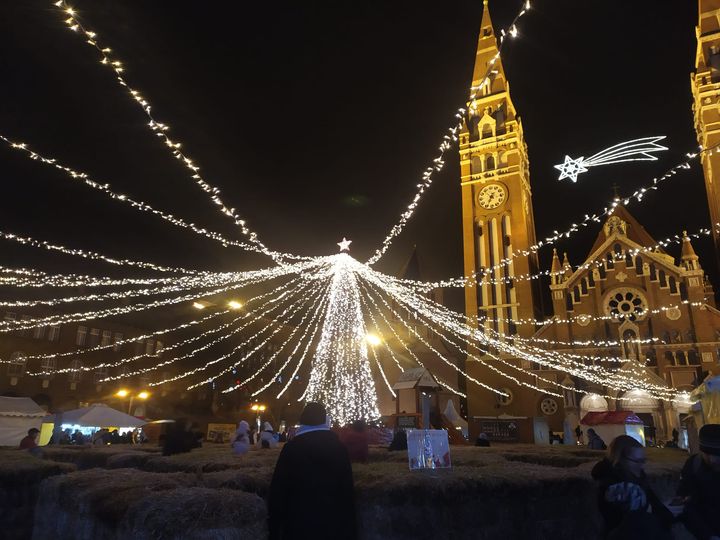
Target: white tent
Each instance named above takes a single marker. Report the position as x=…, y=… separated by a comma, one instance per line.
x=99, y=415
x=456, y=420
x=17, y=416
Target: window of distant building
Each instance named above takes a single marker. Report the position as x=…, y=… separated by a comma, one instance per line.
x=48, y=367
x=106, y=338
x=39, y=332
x=149, y=346
x=94, y=339
x=16, y=367
x=81, y=336
x=10, y=316
x=76, y=373
x=99, y=374
x=158, y=348
x=118, y=338
x=54, y=333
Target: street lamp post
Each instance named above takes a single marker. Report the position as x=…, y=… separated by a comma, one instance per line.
x=258, y=408
x=123, y=393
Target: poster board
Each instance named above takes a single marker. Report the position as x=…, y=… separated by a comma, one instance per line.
x=220, y=433
x=501, y=430
x=428, y=449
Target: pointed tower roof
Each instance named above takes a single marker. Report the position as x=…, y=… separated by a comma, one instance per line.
x=487, y=49
x=555, y=268
x=688, y=253
x=411, y=268
x=567, y=267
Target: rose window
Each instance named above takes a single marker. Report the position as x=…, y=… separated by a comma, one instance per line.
x=626, y=304
x=549, y=406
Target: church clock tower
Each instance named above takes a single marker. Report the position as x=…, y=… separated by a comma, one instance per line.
x=705, y=88
x=498, y=226
x=496, y=199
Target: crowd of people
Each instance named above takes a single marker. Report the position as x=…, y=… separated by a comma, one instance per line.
x=317, y=461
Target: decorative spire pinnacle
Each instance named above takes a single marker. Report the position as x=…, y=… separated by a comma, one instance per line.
x=688, y=254
x=555, y=268
x=567, y=267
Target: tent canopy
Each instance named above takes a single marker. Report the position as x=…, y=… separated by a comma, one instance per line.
x=610, y=417
x=20, y=406
x=415, y=378
x=17, y=416
x=99, y=415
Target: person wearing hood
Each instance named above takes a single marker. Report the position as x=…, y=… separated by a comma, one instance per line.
x=267, y=437
x=700, y=486
x=241, y=440
x=311, y=492
x=594, y=441
x=630, y=509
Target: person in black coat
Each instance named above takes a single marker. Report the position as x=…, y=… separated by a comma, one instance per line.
x=700, y=486
x=630, y=509
x=311, y=492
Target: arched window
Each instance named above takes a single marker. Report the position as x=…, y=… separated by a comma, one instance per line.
x=673, y=285
x=638, y=264
x=610, y=263
x=693, y=358
x=490, y=163
x=476, y=165
x=48, y=367
x=18, y=361
x=486, y=131
x=680, y=359
x=584, y=285
x=670, y=358
x=100, y=374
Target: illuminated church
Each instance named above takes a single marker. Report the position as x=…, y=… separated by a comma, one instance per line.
x=628, y=301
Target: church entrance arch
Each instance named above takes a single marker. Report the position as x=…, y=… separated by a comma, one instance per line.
x=646, y=407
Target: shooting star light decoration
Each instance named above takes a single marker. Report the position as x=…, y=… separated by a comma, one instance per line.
x=635, y=150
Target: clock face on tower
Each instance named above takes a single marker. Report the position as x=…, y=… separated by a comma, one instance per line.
x=492, y=196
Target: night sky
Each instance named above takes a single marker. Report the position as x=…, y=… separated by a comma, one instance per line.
x=316, y=119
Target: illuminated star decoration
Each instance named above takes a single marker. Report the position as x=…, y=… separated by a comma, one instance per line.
x=571, y=168
x=634, y=150
x=344, y=245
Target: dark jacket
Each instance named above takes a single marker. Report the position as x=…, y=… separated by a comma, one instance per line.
x=628, y=506
x=311, y=493
x=701, y=485
x=595, y=442
x=356, y=443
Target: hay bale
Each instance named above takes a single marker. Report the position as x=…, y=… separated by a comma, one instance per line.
x=88, y=457
x=93, y=503
x=124, y=460
x=197, y=513
x=20, y=478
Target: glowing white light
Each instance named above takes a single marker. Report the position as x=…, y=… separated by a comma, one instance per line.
x=636, y=150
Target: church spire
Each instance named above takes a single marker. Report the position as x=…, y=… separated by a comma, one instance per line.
x=689, y=258
x=487, y=56
x=555, y=269
x=567, y=268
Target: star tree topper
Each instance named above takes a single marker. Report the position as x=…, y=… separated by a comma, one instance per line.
x=344, y=245
x=635, y=150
